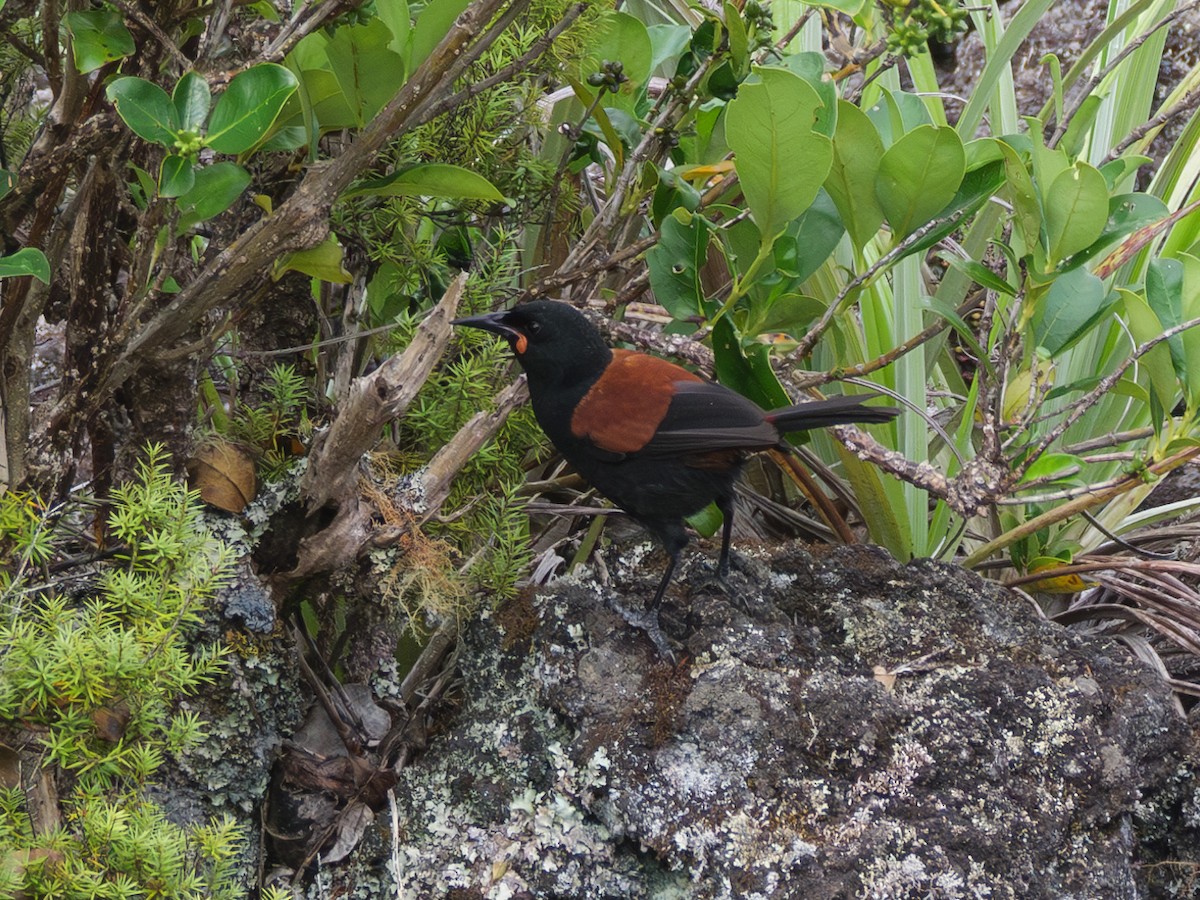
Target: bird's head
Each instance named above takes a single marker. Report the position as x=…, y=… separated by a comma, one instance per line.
x=553, y=342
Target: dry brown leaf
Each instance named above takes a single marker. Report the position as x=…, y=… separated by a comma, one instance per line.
x=224, y=475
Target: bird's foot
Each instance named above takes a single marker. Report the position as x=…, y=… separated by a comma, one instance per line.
x=646, y=621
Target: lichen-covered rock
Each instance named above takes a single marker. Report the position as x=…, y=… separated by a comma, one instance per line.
x=840, y=726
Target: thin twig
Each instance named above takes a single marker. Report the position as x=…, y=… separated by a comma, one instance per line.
x=806, y=344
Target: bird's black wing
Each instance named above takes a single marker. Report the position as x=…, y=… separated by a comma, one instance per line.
x=704, y=417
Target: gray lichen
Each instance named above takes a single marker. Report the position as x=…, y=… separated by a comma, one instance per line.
x=841, y=726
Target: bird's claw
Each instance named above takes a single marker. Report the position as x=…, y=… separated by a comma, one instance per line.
x=646, y=621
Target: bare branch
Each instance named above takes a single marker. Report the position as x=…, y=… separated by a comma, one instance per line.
x=375, y=399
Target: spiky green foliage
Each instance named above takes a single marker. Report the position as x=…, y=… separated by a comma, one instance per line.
x=96, y=681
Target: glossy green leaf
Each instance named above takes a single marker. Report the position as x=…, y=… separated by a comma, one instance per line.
x=215, y=190
x=857, y=152
x=98, y=36
x=433, y=24
x=429, y=180
x=245, y=112
x=176, y=176
x=1126, y=214
x=675, y=263
x=26, y=261
x=747, y=371
x=145, y=108
x=1064, y=312
x=815, y=235
x=191, y=99
x=324, y=262
x=781, y=162
x=617, y=37
x=918, y=176
x=1076, y=209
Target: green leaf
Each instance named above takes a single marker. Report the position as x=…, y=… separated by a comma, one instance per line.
x=1064, y=313
x=1164, y=293
x=176, y=176
x=1023, y=196
x=790, y=314
x=857, y=151
x=245, y=112
x=810, y=66
x=145, y=108
x=368, y=73
x=1076, y=210
x=748, y=373
x=739, y=49
x=617, y=36
x=1191, y=337
x=429, y=180
x=979, y=273
x=216, y=188
x=323, y=261
x=1080, y=128
x=815, y=235
x=433, y=24
x=675, y=263
x=1053, y=467
x=781, y=161
x=1117, y=170
x=1126, y=214
x=98, y=36
x=26, y=261
x=708, y=521
x=918, y=176
x=896, y=113
x=8, y=181
x=668, y=43
x=670, y=193
x=1156, y=365
x=395, y=15
x=191, y=99
x=978, y=185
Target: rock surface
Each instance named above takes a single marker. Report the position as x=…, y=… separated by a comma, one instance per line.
x=839, y=726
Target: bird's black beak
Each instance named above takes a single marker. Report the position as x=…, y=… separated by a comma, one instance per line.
x=493, y=322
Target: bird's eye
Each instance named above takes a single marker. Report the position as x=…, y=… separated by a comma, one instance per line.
x=534, y=327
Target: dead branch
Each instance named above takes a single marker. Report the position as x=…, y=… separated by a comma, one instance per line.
x=435, y=479
x=374, y=400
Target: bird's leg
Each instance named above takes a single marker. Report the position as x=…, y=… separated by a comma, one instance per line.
x=725, y=505
x=662, y=585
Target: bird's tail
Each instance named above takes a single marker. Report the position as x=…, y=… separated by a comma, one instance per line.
x=834, y=411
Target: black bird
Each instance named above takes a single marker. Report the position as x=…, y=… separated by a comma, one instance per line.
x=659, y=441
